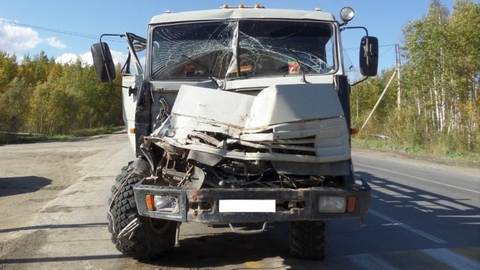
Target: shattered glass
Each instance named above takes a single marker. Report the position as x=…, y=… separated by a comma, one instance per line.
x=242, y=49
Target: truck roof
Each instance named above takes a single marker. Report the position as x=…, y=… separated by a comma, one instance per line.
x=241, y=13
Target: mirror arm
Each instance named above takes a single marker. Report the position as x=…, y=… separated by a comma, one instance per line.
x=359, y=81
x=104, y=61
x=356, y=27
x=132, y=91
x=367, y=50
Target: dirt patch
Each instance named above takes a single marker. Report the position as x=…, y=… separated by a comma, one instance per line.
x=21, y=248
x=33, y=174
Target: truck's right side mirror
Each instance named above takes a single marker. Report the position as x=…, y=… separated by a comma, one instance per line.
x=103, y=62
x=369, y=56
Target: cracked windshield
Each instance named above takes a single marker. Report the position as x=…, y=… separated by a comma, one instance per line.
x=242, y=49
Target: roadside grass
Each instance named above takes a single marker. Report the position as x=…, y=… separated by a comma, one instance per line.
x=32, y=138
x=97, y=131
x=434, y=150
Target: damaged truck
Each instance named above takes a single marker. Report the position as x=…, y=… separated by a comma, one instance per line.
x=237, y=115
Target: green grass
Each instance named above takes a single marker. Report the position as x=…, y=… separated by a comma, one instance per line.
x=18, y=139
x=434, y=150
x=96, y=131
x=464, y=155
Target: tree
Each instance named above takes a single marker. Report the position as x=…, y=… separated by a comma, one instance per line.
x=53, y=109
x=442, y=53
x=8, y=70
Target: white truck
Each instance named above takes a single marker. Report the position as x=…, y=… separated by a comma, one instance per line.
x=237, y=115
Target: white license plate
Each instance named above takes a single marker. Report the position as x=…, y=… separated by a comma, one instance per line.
x=247, y=206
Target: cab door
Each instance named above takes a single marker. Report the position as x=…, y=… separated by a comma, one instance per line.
x=132, y=78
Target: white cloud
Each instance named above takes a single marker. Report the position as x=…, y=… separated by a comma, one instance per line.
x=15, y=38
x=86, y=58
x=119, y=57
x=67, y=58
x=54, y=42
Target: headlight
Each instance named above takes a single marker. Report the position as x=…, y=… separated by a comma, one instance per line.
x=331, y=204
x=164, y=204
x=347, y=14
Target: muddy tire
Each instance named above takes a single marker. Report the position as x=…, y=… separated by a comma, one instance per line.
x=152, y=238
x=308, y=239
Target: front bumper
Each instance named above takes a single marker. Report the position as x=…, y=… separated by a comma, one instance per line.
x=202, y=205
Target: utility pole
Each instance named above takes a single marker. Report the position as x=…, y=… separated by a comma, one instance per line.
x=379, y=99
x=399, y=95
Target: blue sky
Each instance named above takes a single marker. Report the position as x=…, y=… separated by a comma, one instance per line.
x=64, y=29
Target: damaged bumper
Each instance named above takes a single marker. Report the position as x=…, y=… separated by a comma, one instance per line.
x=217, y=206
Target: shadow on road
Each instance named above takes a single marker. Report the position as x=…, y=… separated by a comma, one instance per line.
x=18, y=185
x=54, y=226
x=228, y=249
x=402, y=219
x=406, y=218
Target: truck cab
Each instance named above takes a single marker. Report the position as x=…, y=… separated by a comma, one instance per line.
x=237, y=115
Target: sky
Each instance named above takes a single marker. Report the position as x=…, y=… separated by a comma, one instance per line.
x=65, y=29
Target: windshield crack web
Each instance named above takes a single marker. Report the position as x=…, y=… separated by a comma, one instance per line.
x=241, y=49
x=178, y=46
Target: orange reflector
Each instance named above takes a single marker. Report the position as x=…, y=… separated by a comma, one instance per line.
x=351, y=204
x=132, y=130
x=353, y=131
x=241, y=6
x=150, y=201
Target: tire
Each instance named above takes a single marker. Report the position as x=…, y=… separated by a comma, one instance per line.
x=152, y=238
x=308, y=239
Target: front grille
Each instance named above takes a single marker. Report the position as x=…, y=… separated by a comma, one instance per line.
x=300, y=146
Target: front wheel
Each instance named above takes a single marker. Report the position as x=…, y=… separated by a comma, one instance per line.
x=152, y=237
x=308, y=239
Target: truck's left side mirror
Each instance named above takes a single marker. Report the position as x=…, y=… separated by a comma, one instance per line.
x=103, y=62
x=369, y=56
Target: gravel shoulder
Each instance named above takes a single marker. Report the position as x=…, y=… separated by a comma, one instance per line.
x=31, y=175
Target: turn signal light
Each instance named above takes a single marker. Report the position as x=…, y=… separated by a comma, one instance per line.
x=150, y=202
x=351, y=201
x=225, y=6
x=132, y=130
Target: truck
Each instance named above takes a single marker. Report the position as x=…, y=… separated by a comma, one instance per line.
x=236, y=115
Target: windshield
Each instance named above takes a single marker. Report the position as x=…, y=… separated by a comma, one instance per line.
x=242, y=49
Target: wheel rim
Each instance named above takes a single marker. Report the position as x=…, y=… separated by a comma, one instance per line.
x=158, y=226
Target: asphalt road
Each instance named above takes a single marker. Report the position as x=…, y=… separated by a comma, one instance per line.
x=423, y=215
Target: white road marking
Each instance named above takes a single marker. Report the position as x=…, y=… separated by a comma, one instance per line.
x=459, y=216
x=419, y=178
x=451, y=259
x=369, y=261
x=410, y=228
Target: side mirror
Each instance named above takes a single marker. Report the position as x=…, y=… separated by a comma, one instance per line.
x=103, y=62
x=369, y=56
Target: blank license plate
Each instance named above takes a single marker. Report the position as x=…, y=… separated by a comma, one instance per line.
x=247, y=206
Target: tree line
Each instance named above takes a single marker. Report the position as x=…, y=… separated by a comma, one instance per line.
x=39, y=95
x=435, y=103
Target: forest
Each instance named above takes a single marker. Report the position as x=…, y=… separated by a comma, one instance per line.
x=40, y=96
x=432, y=106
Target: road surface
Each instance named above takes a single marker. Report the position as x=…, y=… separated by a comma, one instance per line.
x=53, y=200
